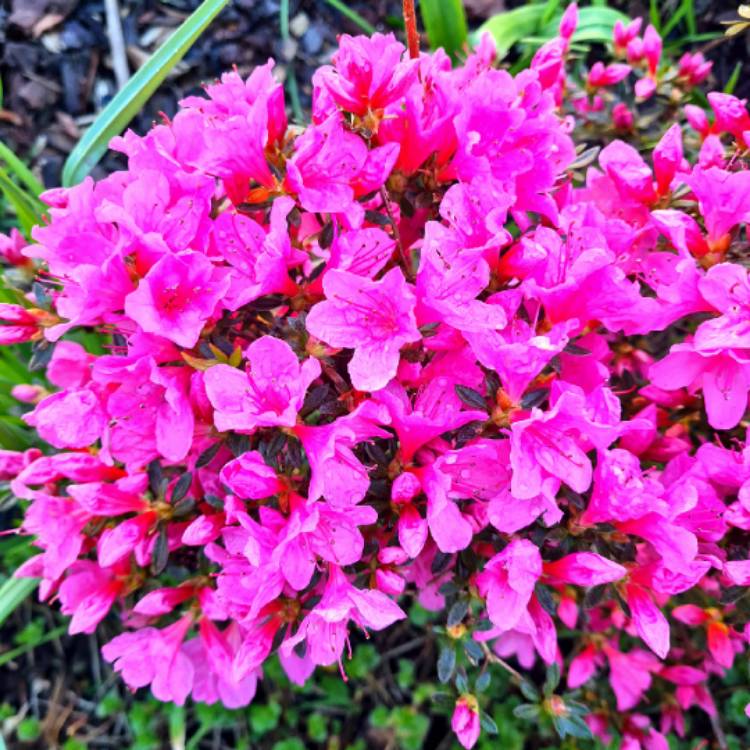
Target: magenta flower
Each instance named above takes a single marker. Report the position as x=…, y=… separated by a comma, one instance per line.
x=367, y=74
x=326, y=161
x=724, y=377
x=375, y=318
x=177, y=297
x=325, y=629
x=465, y=721
x=150, y=656
x=507, y=582
x=270, y=393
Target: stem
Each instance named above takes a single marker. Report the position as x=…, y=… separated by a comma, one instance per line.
x=396, y=234
x=410, y=22
x=495, y=659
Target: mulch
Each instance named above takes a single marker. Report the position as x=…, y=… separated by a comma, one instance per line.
x=56, y=66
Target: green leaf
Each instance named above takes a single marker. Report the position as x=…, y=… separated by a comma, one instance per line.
x=733, y=79
x=115, y=117
x=28, y=209
x=21, y=171
x=457, y=612
x=446, y=663
x=510, y=28
x=572, y=726
x=552, y=680
x=526, y=711
x=181, y=487
x=353, y=16
x=12, y=593
x=445, y=24
x=14, y=653
x=529, y=691
x=487, y=723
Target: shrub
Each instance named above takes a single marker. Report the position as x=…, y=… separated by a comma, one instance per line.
x=409, y=351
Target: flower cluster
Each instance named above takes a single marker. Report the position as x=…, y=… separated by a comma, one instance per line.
x=410, y=350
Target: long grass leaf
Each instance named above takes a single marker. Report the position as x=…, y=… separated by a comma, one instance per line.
x=115, y=117
x=21, y=171
x=13, y=593
x=445, y=24
x=14, y=653
x=28, y=209
x=352, y=15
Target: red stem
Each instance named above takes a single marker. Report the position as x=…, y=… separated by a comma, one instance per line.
x=410, y=22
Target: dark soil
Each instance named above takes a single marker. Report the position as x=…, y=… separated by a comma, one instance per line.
x=57, y=73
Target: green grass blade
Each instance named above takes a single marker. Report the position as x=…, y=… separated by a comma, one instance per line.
x=21, y=171
x=445, y=24
x=654, y=15
x=13, y=593
x=14, y=653
x=28, y=209
x=733, y=79
x=115, y=117
x=352, y=15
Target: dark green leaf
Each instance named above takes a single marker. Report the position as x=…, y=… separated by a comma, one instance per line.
x=207, y=456
x=161, y=551
x=440, y=562
x=446, y=663
x=473, y=651
x=155, y=477
x=462, y=682
x=534, y=398
x=546, y=599
x=181, y=487
x=214, y=502
x=593, y=596
x=41, y=354
x=526, y=711
x=529, y=691
x=487, y=723
x=457, y=612
x=483, y=682
x=471, y=398
x=552, y=680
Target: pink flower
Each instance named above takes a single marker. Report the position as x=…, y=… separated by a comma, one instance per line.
x=649, y=620
x=326, y=162
x=507, y=582
x=367, y=75
x=375, y=318
x=155, y=657
x=465, y=720
x=624, y=34
x=177, y=297
x=335, y=471
x=325, y=628
x=724, y=378
x=70, y=418
x=270, y=393
x=599, y=75
x=249, y=476
x=88, y=593
x=584, y=569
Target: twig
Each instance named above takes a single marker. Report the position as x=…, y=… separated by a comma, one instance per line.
x=117, y=43
x=495, y=659
x=410, y=23
x=721, y=738
x=396, y=234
